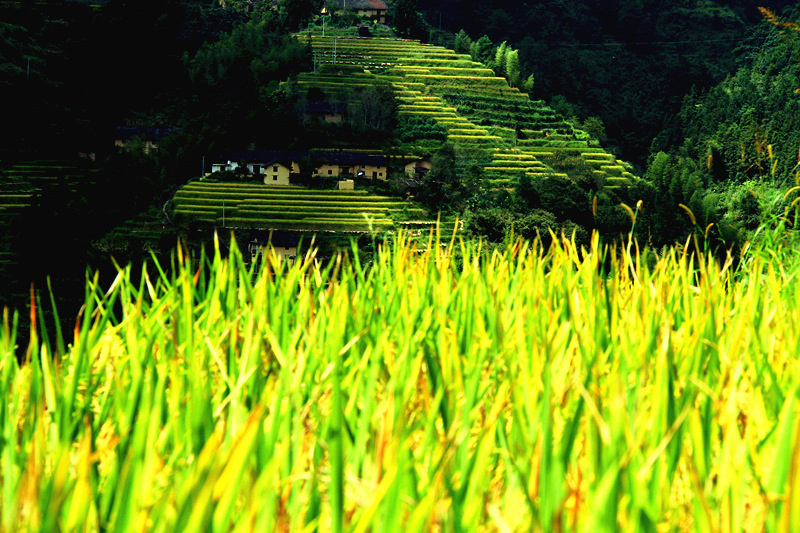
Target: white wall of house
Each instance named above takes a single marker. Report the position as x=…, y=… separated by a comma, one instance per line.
x=272, y=174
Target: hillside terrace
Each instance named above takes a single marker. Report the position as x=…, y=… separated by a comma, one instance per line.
x=478, y=109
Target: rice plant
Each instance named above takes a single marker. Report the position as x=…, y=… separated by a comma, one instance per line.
x=440, y=386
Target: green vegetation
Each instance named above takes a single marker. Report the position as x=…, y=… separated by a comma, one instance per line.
x=443, y=386
x=627, y=62
x=290, y=208
x=596, y=349
x=236, y=75
x=560, y=178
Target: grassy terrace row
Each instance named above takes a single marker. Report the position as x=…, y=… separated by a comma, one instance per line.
x=261, y=189
x=217, y=203
x=412, y=71
x=453, y=62
x=255, y=205
x=317, y=210
x=21, y=182
x=553, y=141
x=361, y=225
x=491, y=102
x=304, y=211
x=15, y=198
x=221, y=195
x=300, y=206
x=311, y=225
x=383, y=60
x=377, y=48
x=525, y=124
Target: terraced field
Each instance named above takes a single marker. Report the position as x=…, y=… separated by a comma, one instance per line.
x=496, y=125
x=478, y=109
x=234, y=205
x=21, y=182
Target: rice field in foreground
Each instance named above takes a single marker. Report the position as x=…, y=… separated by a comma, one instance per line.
x=443, y=388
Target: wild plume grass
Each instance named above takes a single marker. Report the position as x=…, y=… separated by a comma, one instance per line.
x=443, y=387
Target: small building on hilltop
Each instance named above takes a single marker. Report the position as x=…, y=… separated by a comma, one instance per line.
x=377, y=10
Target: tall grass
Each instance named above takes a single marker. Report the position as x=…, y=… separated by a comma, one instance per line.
x=444, y=388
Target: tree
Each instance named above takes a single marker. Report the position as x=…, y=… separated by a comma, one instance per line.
x=481, y=50
x=462, y=43
x=527, y=86
x=512, y=67
x=500, y=59
x=296, y=14
x=594, y=126
x=376, y=112
x=406, y=17
x=440, y=188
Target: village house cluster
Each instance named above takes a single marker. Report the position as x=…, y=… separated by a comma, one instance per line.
x=277, y=167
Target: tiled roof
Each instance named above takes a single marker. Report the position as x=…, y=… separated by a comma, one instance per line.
x=264, y=156
x=362, y=4
x=351, y=158
x=286, y=156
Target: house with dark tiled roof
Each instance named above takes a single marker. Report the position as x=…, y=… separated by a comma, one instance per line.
x=375, y=9
x=355, y=164
x=274, y=167
x=278, y=167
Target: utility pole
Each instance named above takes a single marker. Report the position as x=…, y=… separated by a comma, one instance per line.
x=315, y=60
x=334, y=50
x=203, y=172
x=324, y=12
x=223, y=213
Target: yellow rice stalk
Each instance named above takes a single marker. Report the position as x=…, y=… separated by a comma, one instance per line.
x=442, y=386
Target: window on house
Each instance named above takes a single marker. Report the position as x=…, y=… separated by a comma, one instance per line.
x=275, y=168
x=330, y=172
x=380, y=174
x=374, y=174
x=274, y=177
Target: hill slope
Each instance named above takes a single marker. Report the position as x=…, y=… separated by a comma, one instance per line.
x=500, y=127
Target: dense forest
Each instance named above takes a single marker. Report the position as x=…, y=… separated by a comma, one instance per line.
x=700, y=96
